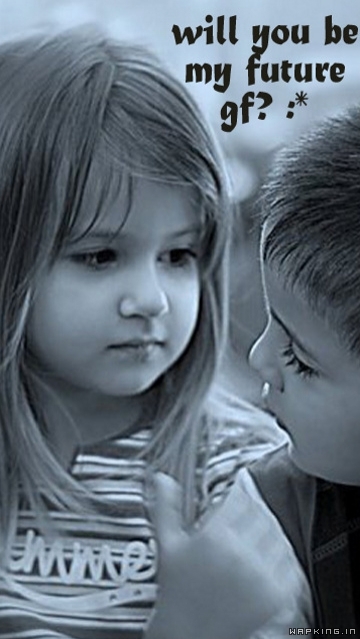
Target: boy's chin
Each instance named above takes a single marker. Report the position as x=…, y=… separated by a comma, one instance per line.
x=334, y=475
x=302, y=462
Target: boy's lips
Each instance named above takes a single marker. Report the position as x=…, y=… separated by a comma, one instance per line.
x=279, y=422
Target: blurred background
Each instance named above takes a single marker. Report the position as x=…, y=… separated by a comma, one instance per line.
x=249, y=148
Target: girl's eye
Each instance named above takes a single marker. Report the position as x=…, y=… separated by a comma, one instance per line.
x=179, y=257
x=299, y=366
x=97, y=260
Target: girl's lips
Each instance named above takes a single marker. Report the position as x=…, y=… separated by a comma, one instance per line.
x=137, y=350
x=138, y=343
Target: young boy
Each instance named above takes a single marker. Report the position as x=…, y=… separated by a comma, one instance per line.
x=309, y=359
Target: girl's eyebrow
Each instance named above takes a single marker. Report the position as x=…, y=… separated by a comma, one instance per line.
x=292, y=336
x=106, y=234
x=110, y=234
x=189, y=230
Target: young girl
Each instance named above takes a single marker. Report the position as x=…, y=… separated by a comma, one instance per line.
x=114, y=223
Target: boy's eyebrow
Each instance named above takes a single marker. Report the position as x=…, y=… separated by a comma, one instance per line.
x=291, y=335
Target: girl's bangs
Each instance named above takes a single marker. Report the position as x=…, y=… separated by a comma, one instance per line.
x=111, y=174
x=103, y=183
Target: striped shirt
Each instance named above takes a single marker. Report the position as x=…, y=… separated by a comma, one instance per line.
x=95, y=577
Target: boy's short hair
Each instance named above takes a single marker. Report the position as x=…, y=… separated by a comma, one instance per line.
x=311, y=209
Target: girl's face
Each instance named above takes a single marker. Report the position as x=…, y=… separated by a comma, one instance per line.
x=117, y=309
x=313, y=385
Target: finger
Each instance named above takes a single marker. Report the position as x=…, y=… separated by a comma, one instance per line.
x=166, y=509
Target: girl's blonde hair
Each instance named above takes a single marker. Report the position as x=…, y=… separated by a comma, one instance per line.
x=81, y=116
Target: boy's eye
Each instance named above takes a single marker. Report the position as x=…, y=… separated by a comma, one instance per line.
x=100, y=259
x=179, y=256
x=299, y=366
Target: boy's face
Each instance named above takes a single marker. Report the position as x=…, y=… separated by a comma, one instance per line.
x=313, y=385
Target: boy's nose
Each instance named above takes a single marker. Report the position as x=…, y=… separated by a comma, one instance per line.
x=144, y=299
x=263, y=361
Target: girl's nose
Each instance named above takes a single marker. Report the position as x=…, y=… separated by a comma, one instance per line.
x=146, y=298
x=263, y=360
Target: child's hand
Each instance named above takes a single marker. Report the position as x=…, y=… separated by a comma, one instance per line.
x=220, y=581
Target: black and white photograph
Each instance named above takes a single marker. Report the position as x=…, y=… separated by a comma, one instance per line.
x=179, y=319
